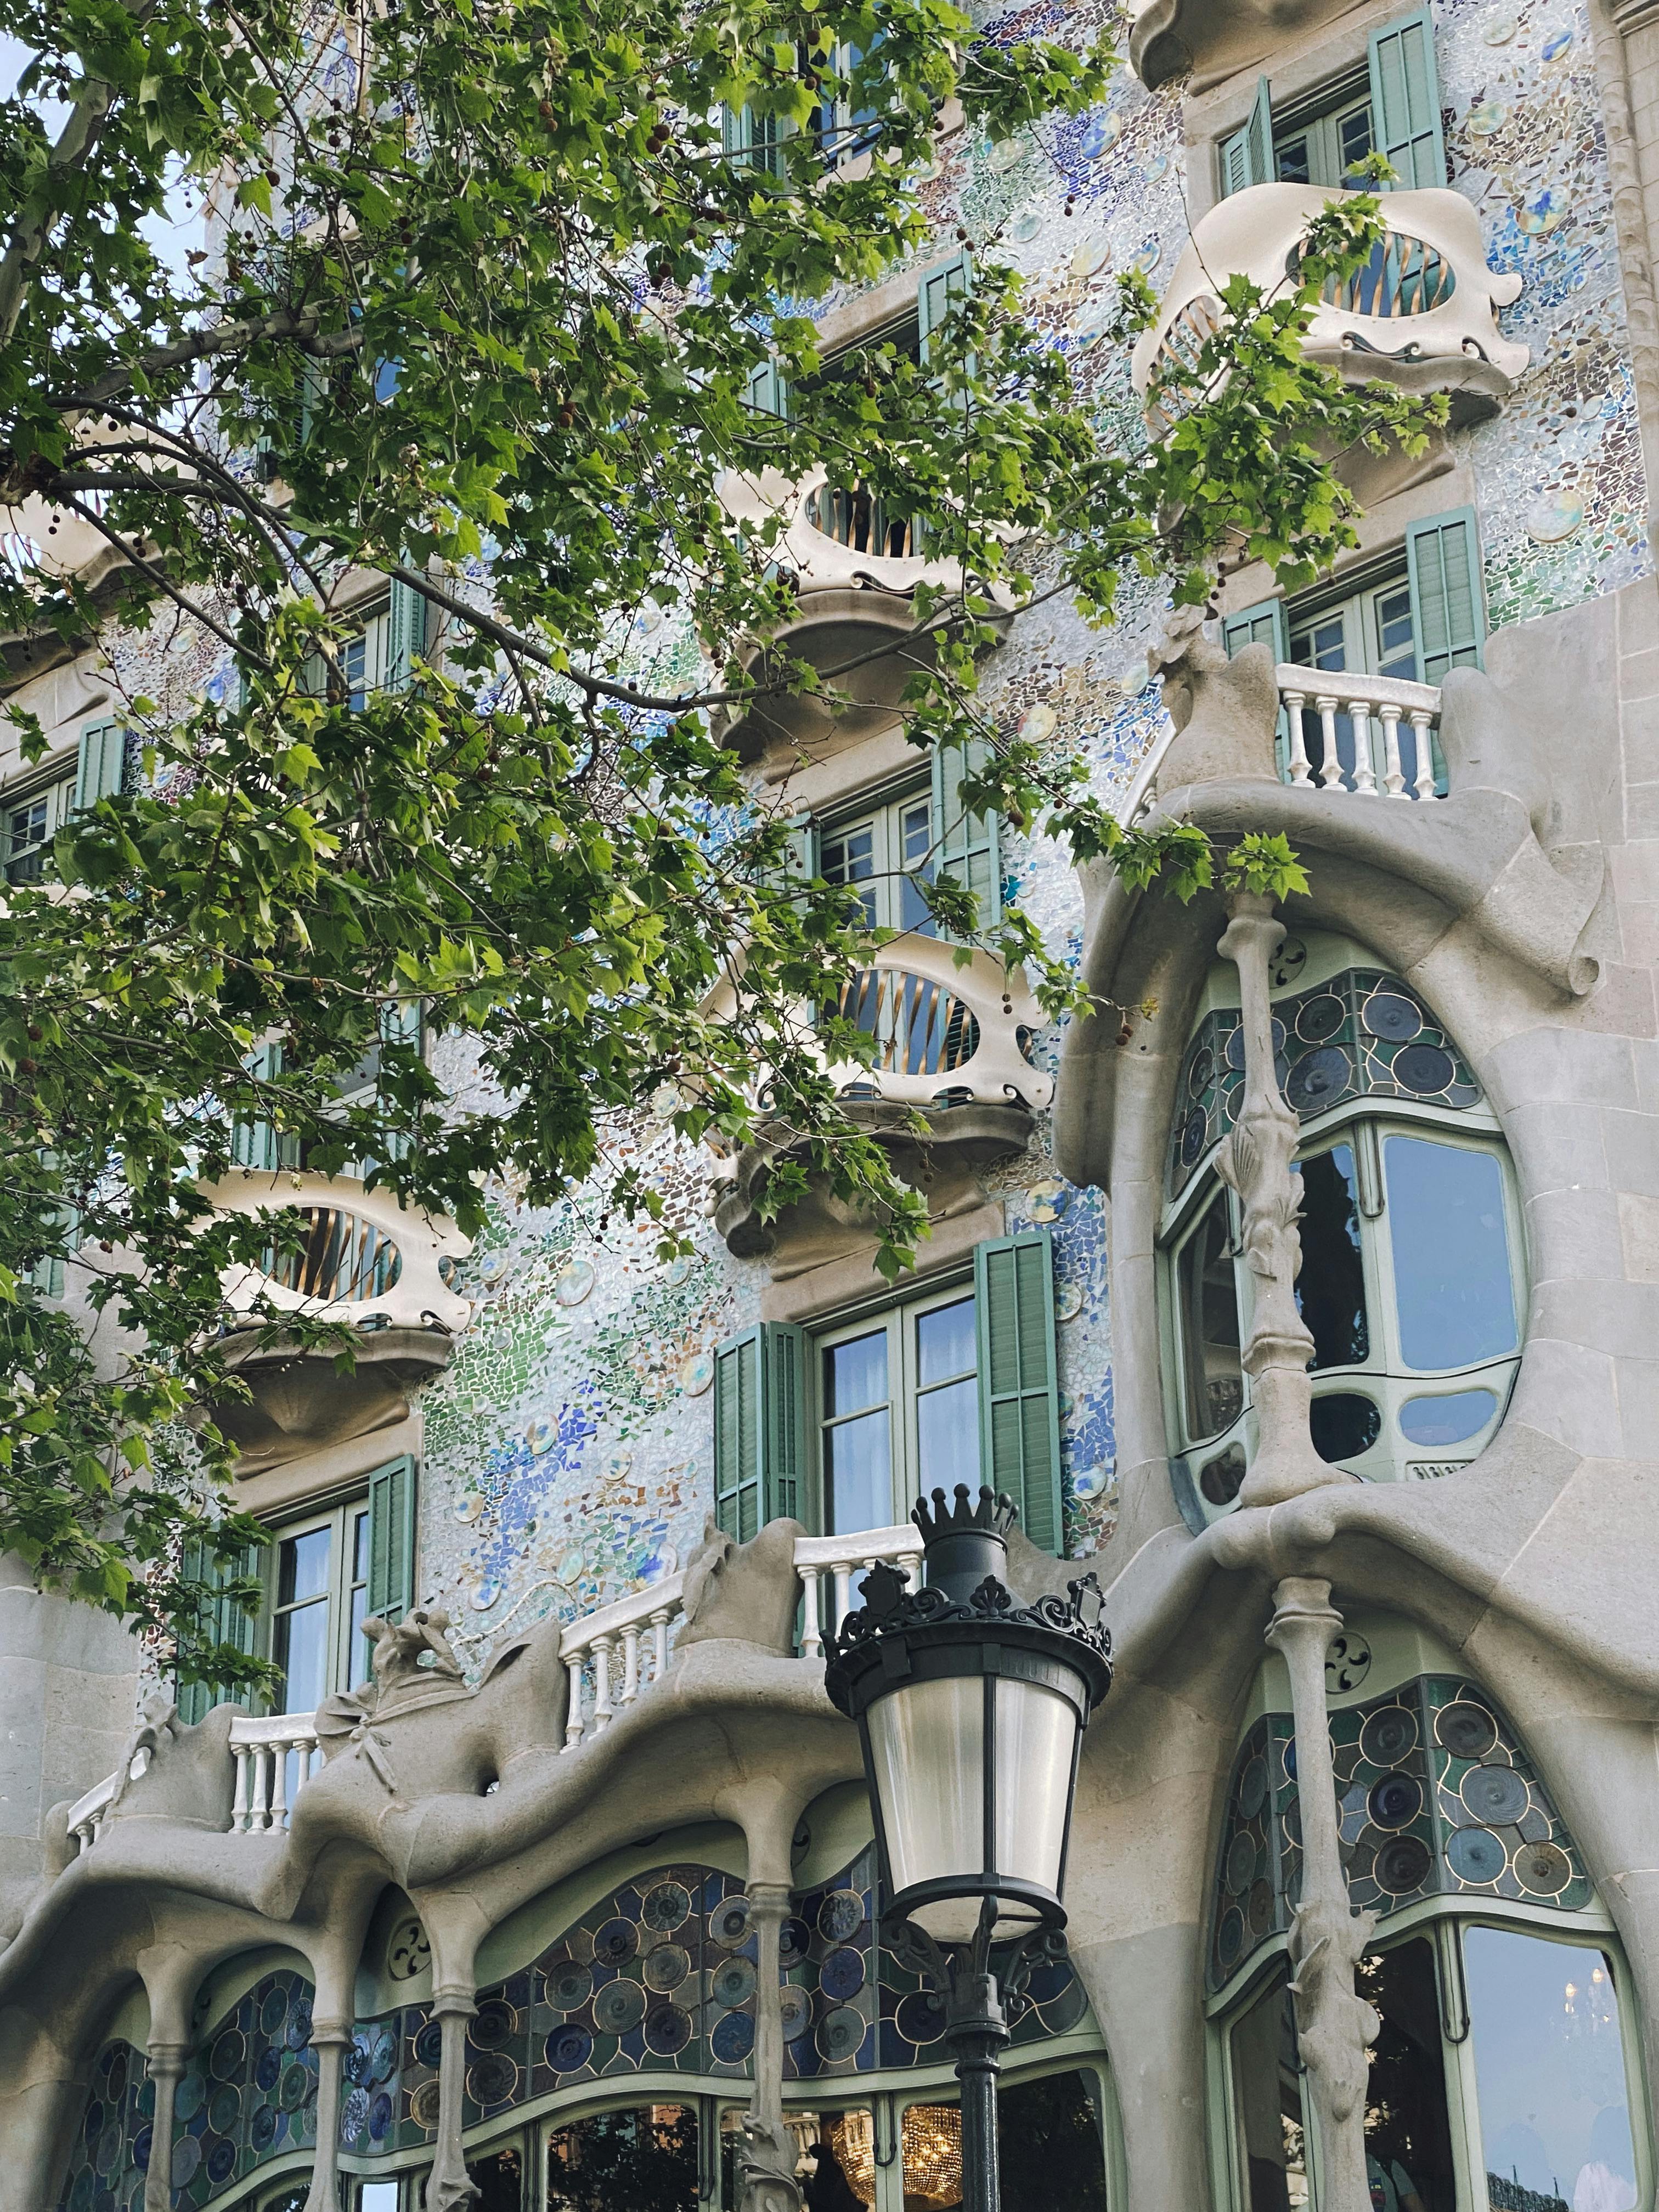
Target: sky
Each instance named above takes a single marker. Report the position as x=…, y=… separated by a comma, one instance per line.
x=175, y=234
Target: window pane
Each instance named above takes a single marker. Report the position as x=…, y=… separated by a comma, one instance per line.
x=944, y=1342
x=858, y=1482
x=373, y=2197
x=360, y=1548
x=1319, y=644
x=850, y=857
x=932, y=2138
x=1396, y=637
x=1353, y=135
x=641, y=2161
x=947, y=1436
x=1052, y=2145
x=1209, y=1315
x=855, y=1374
x=1550, y=2072
x=1451, y=1253
x=302, y=1653
x=1408, y=2149
x=1330, y=1291
x=1267, y=2098
x=1450, y=1420
x=1294, y=159
x=499, y=2177
x=304, y=1569
x=915, y=825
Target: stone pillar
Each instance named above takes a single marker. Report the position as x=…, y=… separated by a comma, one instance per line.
x=167, y=2060
x=1255, y=1160
x=1328, y=1937
x=768, y=2162
x=449, y=2187
x=331, y=2039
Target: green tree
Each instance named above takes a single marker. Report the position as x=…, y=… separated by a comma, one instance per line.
x=487, y=290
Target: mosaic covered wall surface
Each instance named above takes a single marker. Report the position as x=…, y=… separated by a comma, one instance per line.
x=659, y=1977
x=567, y=1453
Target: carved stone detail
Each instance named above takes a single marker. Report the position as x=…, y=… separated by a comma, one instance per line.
x=1328, y=1938
x=1254, y=1159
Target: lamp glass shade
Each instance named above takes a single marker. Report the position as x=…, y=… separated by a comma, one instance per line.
x=927, y=1752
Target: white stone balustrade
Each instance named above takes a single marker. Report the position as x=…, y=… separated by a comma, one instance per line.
x=612, y=1655
x=365, y=1258
x=1375, y=734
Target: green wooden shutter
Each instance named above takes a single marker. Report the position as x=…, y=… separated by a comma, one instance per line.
x=755, y=141
x=101, y=766
x=221, y=1620
x=768, y=394
x=1406, y=102
x=405, y=634
x=390, y=1540
x=403, y=1022
x=759, y=1428
x=255, y=1144
x=1247, y=157
x=1018, y=1401
x=1442, y=559
x=966, y=845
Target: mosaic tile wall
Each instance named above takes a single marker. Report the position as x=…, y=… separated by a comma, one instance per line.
x=659, y=1977
x=567, y=1453
x=1435, y=1797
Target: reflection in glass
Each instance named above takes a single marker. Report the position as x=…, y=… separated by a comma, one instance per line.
x=1330, y=1290
x=1268, y=2105
x=1343, y=1424
x=857, y=1482
x=304, y=1569
x=300, y=1646
x=498, y=2176
x=356, y=1654
x=932, y=2138
x=848, y=858
x=1408, y=2148
x=855, y=1374
x=1549, y=2066
x=916, y=847
x=1451, y=1253
x=947, y=1400
x=1209, y=1324
x=644, y=2160
x=1450, y=1420
x=1052, y=2144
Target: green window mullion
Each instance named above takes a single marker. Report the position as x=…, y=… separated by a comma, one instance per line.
x=1018, y=1396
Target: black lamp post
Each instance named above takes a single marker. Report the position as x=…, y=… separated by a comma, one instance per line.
x=971, y=1711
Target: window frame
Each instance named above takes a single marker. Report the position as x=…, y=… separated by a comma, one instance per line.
x=898, y=1317
x=342, y=1519
x=55, y=781
x=1317, y=116
x=883, y=808
x=1366, y=1124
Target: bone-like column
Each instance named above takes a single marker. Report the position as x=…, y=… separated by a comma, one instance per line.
x=168, y=2061
x=1328, y=1938
x=1255, y=1159
x=331, y=2039
x=769, y=2163
x=449, y=2187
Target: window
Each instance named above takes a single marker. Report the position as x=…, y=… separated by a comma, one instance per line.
x=322, y=1576
x=379, y=654
x=1393, y=107
x=1269, y=2122
x=256, y=1144
x=644, y=2159
x=1412, y=616
x=1410, y=1283
x=32, y=814
x=845, y=122
x=844, y=1426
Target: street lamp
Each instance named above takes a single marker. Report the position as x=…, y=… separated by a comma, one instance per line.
x=971, y=1711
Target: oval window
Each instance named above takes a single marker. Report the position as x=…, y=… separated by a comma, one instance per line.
x=1448, y=1420
x=1451, y=1253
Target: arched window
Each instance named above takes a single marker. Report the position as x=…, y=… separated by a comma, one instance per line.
x=1503, y=2078
x=1411, y=1284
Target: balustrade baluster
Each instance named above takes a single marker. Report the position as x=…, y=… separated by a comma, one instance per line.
x=1419, y=721
x=259, y=1813
x=1394, y=780
x=1365, y=775
x=812, y=1637
x=843, y=1578
x=1330, y=772
x=278, y=1785
x=603, y=1711
x=660, y=1620
x=1301, y=768
x=574, y=1726
x=630, y=1688
x=239, y=1804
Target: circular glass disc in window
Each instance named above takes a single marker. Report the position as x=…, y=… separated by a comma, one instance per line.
x=1387, y=1734
x=1496, y=1795
x=668, y=2030
x=667, y=1966
x=1425, y=1069
x=619, y=2006
x=1318, y=1079
x=1386, y=1014
x=1319, y=1019
x=1240, y=1862
x=1193, y=1130
x=1402, y=1865
x=1465, y=1729
x=1253, y=1787
x=1236, y=1049
x=1199, y=1068
x=665, y=1906
x=568, y=2048
x=569, y=1985
x=1343, y=1424
x=839, y=2034
x=615, y=1941
x=493, y=2025
x=1476, y=1855
x=1396, y=1801
x=1230, y=1937
x=1259, y=1911
x=797, y=2009
x=1543, y=1869
x=734, y=1981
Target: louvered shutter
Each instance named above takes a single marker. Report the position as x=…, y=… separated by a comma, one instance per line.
x=1259, y=137
x=966, y=845
x=101, y=766
x=800, y=863
x=405, y=634
x=759, y=1428
x=221, y=1619
x=1018, y=1401
x=403, y=1022
x=954, y=280
x=767, y=393
x=391, y=1501
x=1406, y=102
x=1443, y=562
x=255, y=1144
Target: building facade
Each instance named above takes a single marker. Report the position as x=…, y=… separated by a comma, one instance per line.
x=1313, y=1304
